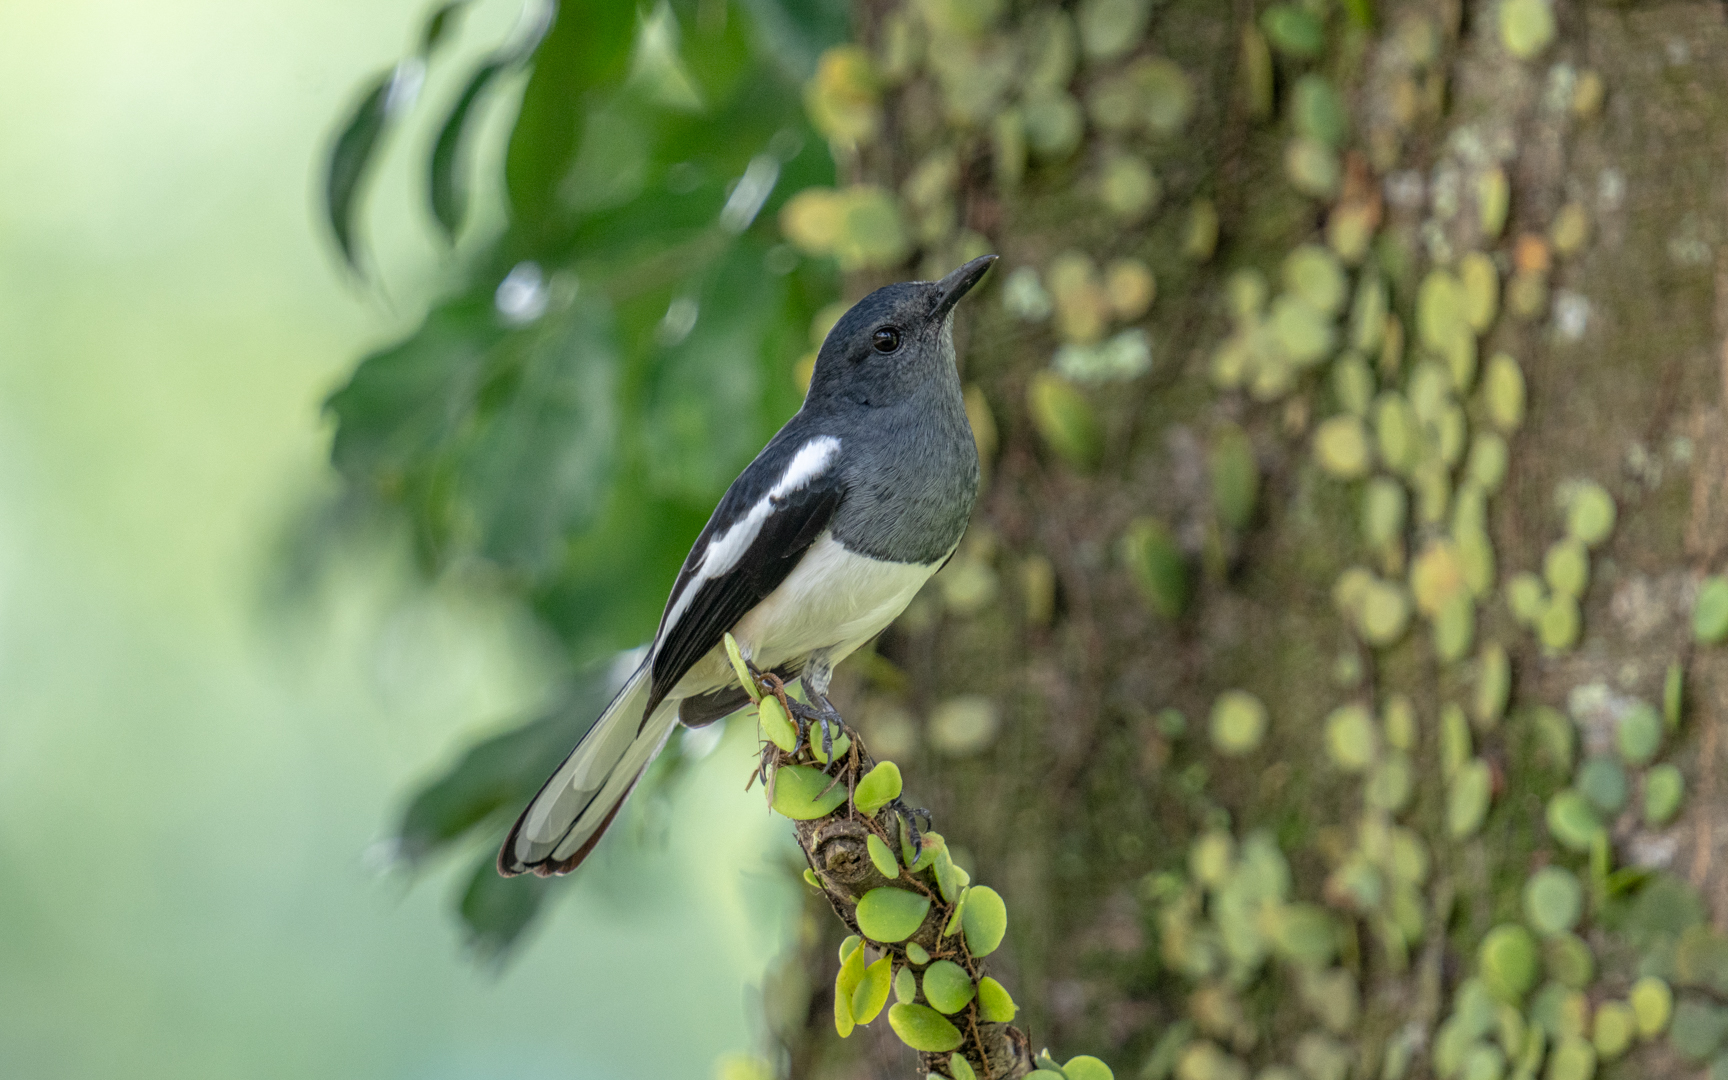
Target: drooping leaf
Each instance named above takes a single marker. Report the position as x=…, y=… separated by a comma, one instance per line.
x=402, y=403
x=795, y=32
x=439, y=25
x=587, y=46
x=872, y=992
x=495, y=776
x=356, y=145
x=496, y=911
x=447, y=188
x=540, y=462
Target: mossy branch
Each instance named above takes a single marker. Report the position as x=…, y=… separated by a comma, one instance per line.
x=921, y=929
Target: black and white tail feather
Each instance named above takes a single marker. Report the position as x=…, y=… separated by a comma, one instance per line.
x=579, y=800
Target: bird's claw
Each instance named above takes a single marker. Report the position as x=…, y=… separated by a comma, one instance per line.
x=909, y=816
x=822, y=714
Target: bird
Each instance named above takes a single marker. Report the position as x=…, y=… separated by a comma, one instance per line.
x=818, y=545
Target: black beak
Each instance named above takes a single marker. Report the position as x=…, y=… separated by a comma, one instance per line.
x=959, y=283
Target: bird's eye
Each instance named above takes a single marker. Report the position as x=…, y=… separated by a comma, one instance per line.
x=885, y=340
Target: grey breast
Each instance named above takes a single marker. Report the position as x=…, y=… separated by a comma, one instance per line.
x=912, y=477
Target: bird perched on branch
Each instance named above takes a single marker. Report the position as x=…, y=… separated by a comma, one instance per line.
x=817, y=546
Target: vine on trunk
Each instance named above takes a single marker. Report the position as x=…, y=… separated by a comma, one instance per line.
x=920, y=929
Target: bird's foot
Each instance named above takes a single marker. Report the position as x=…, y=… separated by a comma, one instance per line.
x=909, y=816
x=822, y=714
x=829, y=717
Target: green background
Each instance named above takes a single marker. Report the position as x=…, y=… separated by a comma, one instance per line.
x=199, y=757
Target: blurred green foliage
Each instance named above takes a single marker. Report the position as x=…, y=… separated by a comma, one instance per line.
x=568, y=417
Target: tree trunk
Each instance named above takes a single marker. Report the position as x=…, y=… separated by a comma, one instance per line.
x=1083, y=804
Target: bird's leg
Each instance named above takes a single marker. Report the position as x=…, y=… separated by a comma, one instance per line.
x=818, y=672
x=910, y=815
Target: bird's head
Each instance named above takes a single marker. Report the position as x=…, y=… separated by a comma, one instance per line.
x=897, y=343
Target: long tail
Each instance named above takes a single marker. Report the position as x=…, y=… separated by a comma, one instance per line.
x=566, y=819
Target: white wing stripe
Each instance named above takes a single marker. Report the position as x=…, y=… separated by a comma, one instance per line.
x=724, y=551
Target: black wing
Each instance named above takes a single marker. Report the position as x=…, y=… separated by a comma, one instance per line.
x=793, y=523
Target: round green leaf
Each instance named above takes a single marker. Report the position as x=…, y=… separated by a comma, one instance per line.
x=1572, y=1059
x=985, y=920
x=1698, y=1029
x=1391, y=784
x=1710, y=614
x=1652, y=1003
x=1509, y=962
x=1663, y=789
x=1317, y=110
x=1157, y=566
x=947, y=987
x=1639, y=734
x=905, y=985
x=879, y=787
x=799, y=794
x=994, y=1003
x=923, y=1028
x=932, y=845
x=890, y=915
x=1526, y=28
x=1566, y=567
x=961, y=1069
x=1526, y=597
x=1313, y=273
x=1235, y=476
x=882, y=857
x=1569, y=960
x=1304, y=934
x=1603, y=782
x=1553, y=900
x=1484, y=1061
x=1467, y=799
x=1590, y=516
x=1572, y=822
x=1493, y=684
x=1238, y=722
x=1350, y=737
x=916, y=953
x=1065, y=420
x=1559, y=623
x=1294, y=30
x=852, y=942
x=1086, y=1067
x=1614, y=1028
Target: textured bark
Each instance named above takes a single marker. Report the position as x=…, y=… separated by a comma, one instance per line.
x=1081, y=794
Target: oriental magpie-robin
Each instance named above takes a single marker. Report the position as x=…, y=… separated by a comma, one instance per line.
x=820, y=543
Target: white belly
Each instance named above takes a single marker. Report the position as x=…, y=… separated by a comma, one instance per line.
x=834, y=599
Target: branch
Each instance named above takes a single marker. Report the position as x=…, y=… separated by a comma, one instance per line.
x=920, y=928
